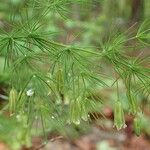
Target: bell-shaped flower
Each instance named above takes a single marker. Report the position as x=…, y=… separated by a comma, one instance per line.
x=119, y=119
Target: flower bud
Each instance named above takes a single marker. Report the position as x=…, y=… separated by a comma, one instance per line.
x=84, y=114
x=75, y=110
x=12, y=100
x=119, y=120
x=132, y=103
x=59, y=80
x=137, y=125
x=21, y=100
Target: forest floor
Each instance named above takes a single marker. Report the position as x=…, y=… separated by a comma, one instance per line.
x=95, y=140
x=100, y=136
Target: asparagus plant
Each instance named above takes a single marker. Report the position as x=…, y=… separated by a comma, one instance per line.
x=51, y=83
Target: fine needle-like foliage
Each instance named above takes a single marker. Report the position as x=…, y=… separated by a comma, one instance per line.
x=51, y=84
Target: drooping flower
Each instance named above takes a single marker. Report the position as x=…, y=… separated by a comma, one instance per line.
x=132, y=102
x=137, y=125
x=75, y=112
x=119, y=120
x=12, y=100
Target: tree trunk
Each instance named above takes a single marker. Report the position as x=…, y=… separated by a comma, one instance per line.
x=137, y=10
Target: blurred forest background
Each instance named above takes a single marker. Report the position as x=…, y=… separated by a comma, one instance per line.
x=84, y=25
